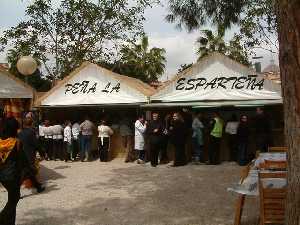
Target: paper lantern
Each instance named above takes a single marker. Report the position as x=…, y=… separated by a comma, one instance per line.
x=26, y=65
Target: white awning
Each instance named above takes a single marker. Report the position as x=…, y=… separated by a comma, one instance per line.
x=92, y=85
x=218, y=78
x=12, y=87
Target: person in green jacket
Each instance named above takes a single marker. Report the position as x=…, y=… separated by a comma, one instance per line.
x=216, y=134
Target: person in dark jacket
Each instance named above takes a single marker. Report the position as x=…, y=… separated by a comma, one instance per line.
x=12, y=162
x=155, y=132
x=243, y=139
x=262, y=130
x=30, y=146
x=165, y=140
x=177, y=138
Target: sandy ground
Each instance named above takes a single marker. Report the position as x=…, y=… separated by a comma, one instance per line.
x=117, y=193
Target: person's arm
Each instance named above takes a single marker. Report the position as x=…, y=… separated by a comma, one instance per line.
x=110, y=131
x=140, y=127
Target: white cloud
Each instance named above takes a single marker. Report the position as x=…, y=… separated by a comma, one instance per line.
x=180, y=49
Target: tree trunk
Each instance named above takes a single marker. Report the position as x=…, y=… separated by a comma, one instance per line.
x=288, y=12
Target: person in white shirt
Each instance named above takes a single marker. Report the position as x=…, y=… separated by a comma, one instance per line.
x=231, y=130
x=139, y=139
x=48, y=140
x=104, y=133
x=86, y=128
x=41, y=138
x=76, y=140
x=58, y=141
x=68, y=141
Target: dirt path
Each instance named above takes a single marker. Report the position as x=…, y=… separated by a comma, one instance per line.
x=116, y=193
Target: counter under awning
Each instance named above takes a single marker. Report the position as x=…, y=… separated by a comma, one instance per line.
x=214, y=104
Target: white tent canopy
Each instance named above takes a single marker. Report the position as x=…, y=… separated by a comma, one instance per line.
x=93, y=85
x=12, y=87
x=218, y=78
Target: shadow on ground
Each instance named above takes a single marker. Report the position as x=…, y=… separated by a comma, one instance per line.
x=135, y=195
x=50, y=174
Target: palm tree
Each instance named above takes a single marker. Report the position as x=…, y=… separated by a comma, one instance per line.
x=141, y=62
x=210, y=42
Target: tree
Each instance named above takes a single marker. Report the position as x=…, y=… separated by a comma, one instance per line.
x=210, y=42
x=141, y=62
x=255, y=18
x=183, y=67
x=288, y=17
x=269, y=16
x=193, y=14
x=76, y=31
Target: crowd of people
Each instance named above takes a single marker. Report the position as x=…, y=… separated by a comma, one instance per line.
x=19, y=147
x=71, y=142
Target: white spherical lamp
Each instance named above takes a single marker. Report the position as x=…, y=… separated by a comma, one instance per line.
x=26, y=65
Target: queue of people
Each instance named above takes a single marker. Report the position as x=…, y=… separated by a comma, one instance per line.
x=71, y=142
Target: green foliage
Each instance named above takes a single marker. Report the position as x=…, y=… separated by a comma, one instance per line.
x=258, y=25
x=141, y=62
x=193, y=14
x=184, y=67
x=255, y=18
x=209, y=42
x=78, y=30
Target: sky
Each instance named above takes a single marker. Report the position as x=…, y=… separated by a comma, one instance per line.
x=180, y=45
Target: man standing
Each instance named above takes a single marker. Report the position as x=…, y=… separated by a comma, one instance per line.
x=86, y=128
x=48, y=134
x=154, y=132
x=30, y=146
x=139, y=140
x=58, y=141
x=68, y=148
x=215, y=139
x=262, y=130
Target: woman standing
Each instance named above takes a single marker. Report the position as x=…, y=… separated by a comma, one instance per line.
x=104, y=133
x=12, y=160
x=177, y=138
x=139, y=140
x=242, y=139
